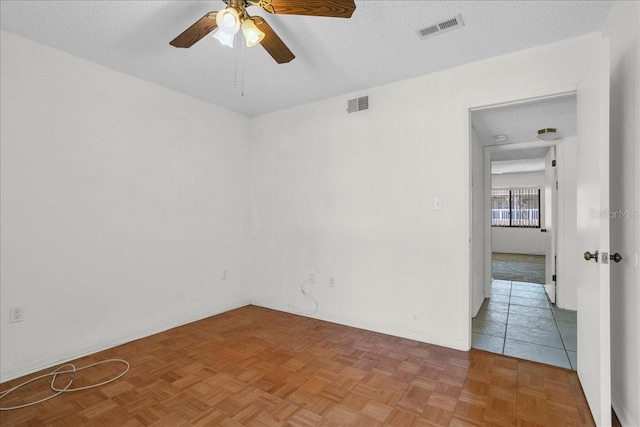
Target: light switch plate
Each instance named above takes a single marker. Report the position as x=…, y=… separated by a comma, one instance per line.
x=437, y=203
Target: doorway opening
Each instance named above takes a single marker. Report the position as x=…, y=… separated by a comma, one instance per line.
x=524, y=197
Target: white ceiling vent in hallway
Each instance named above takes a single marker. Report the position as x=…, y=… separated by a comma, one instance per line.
x=358, y=104
x=441, y=27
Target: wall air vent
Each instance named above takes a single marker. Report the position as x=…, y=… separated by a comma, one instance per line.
x=441, y=27
x=358, y=104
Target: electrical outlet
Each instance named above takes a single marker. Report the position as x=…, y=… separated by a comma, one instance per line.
x=312, y=279
x=224, y=274
x=16, y=314
x=332, y=283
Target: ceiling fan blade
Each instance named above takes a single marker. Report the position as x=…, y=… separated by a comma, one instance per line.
x=272, y=43
x=331, y=8
x=194, y=33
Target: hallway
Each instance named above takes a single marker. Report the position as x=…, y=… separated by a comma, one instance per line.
x=519, y=321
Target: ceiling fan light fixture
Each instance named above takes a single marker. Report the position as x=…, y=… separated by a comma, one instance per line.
x=252, y=35
x=228, y=20
x=224, y=37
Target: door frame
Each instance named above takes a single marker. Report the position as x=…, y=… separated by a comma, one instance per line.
x=591, y=82
x=487, y=164
x=490, y=103
x=597, y=389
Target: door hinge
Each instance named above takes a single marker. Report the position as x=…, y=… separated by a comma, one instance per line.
x=556, y=185
x=553, y=277
x=553, y=163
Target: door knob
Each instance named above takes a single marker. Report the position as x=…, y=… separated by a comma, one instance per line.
x=589, y=256
x=615, y=257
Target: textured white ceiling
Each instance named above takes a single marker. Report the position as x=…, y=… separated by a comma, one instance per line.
x=514, y=166
x=520, y=123
x=334, y=56
x=522, y=154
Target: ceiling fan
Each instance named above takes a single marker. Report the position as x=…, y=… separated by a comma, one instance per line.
x=230, y=20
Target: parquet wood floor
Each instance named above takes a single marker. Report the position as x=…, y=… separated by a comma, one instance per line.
x=258, y=367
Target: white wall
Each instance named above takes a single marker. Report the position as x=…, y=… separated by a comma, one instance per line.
x=120, y=207
x=623, y=29
x=122, y=203
x=567, y=251
x=350, y=197
x=520, y=240
x=478, y=219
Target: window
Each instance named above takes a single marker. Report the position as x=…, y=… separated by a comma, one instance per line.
x=515, y=207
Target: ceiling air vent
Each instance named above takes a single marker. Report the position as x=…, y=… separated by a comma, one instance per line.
x=358, y=104
x=441, y=27
x=426, y=32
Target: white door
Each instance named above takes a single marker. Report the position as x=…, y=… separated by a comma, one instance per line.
x=594, y=359
x=550, y=208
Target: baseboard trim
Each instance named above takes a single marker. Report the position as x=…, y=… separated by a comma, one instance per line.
x=38, y=365
x=623, y=416
x=443, y=341
x=615, y=421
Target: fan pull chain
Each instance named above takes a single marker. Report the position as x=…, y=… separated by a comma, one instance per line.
x=242, y=72
x=238, y=41
x=235, y=62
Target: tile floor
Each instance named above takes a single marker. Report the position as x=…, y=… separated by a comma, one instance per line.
x=519, y=321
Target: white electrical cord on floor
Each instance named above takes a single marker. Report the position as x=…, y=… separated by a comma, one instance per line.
x=65, y=389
